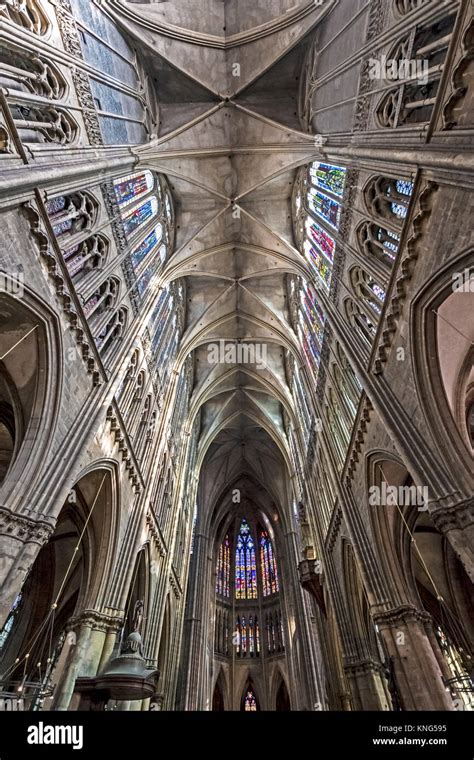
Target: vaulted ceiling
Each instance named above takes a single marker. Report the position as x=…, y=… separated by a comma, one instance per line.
x=230, y=147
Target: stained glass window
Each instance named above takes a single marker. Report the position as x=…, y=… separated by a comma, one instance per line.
x=5, y=632
x=404, y=189
x=128, y=189
x=61, y=227
x=243, y=636
x=321, y=239
x=245, y=565
x=134, y=219
x=145, y=278
x=268, y=565
x=148, y=245
x=223, y=568
x=318, y=263
x=250, y=701
x=251, y=637
x=168, y=206
x=325, y=207
x=56, y=205
x=328, y=177
x=390, y=241
x=311, y=327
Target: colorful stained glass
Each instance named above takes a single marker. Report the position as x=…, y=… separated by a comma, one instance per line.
x=311, y=327
x=139, y=215
x=243, y=636
x=245, y=565
x=251, y=637
x=128, y=189
x=321, y=239
x=318, y=263
x=148, y=245
x=145, y=279
x=223, y=568
x=250, y=701
x=325, y=207
x=313, y=310
x=328, y=177
x=6, y=630
x=268, y=567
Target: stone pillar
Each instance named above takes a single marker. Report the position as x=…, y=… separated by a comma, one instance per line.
x=457, y=524
x=92, y=629
x=195, y=627
x=417, y=672
x=366, y=679
x=21, y=538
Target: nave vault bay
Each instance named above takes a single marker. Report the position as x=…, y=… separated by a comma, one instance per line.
x=236, y=355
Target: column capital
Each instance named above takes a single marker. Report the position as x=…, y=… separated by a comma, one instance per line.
x=402, y=615
x=24, y=529
x=98, y=621
x=456, y=517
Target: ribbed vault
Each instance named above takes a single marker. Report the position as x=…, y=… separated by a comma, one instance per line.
x=231, y=165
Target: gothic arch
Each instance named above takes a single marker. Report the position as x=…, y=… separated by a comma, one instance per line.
x=441, y=337
x=422, y=570
x=281, y=696
x=220, y=698
x=30, y=381
x=249, y=689
x=68, y=576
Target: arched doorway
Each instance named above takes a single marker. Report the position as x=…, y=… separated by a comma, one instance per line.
x=282, y=698
x=66, y=578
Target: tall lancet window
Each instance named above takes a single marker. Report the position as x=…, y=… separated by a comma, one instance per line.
x=245, y=564
x=223, y=568
x=268, y=565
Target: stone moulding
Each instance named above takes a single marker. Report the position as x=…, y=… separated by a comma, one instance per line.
x=155, y=535
x=296, y=14
x=24, y=529
x=459, y=86
x=404, y=275
x=39, y=233
x=358, y=439
x=119, y=438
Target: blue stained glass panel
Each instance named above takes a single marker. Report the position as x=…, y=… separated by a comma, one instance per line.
x=328, y=177
x=325, y=207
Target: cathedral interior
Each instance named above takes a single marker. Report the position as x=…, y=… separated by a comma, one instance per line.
x=236, y=355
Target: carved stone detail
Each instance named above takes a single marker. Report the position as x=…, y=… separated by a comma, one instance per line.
x=459, y=78
x=25, y=529
x=156, y=535
x=56, y=276
x=407, y=264
x=457, y=517
x=122, y=447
